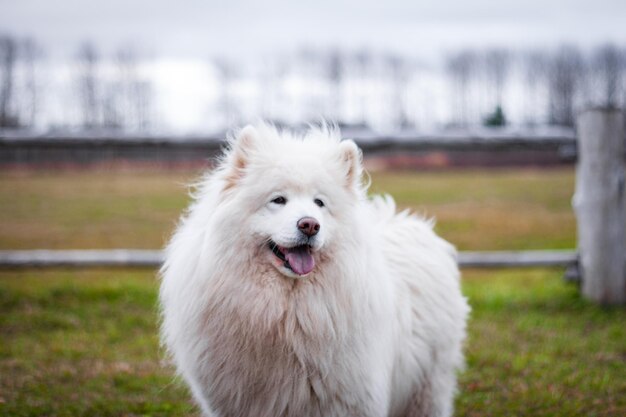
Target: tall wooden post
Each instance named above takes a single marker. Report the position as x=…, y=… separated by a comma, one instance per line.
x=599, y=203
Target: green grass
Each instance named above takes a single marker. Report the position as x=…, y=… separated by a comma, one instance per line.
x=537, y=349
x=84, y=342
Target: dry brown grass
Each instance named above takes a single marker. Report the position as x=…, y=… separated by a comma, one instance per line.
x=493, y=209
x=90, y=210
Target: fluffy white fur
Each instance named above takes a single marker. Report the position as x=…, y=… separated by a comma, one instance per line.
x=375, y=329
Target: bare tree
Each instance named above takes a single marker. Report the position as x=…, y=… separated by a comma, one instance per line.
x=112, y=115
x=534, y=73
x=88, y=83
x=363, y=61
x=496, y=66
x=144, y=96
x=400, y=73
x=565, y=79
x=334, y=74
x=461, y=68
x=31, y=54
x=8, y=60
x=607, y=66
x=311, y=67
x=227, y=102
x=19, y=93
x=133, y=93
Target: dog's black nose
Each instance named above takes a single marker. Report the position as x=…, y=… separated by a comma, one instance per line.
x=309, y=226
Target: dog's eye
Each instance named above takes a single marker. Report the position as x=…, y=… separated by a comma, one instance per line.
x=279, y=200
x=319, y=202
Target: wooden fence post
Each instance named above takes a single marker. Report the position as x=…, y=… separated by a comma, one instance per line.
x=599, y=203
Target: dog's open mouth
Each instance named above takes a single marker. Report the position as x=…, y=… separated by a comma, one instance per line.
x=298, y=258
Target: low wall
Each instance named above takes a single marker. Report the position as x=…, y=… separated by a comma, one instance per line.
x=389, y=151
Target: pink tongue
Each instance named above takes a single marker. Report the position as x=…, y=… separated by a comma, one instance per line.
x=300, y=260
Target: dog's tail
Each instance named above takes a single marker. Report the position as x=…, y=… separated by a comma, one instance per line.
x=385, y=210
x=408, y=227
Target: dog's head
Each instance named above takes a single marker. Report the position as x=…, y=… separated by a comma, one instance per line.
x=295, y=194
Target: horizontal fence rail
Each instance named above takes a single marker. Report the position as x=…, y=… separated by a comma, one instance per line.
x=44, y=258
x=515, y=259
x=154, y=258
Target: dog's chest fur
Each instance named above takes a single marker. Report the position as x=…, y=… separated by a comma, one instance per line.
x=276, y=350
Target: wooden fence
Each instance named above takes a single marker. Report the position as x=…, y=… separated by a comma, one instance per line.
x=600, y=205
x=154, y=258
x=599, y=201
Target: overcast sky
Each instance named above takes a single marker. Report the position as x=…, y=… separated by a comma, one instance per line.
x=238, y=28
x=179, y=37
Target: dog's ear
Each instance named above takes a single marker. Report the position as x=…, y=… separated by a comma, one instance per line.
x=351, y=160
x=239, y=156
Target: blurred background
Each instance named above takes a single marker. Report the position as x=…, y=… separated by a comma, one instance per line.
x=158, y=66
x=466, y=112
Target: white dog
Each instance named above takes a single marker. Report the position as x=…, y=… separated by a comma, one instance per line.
x=286, y=292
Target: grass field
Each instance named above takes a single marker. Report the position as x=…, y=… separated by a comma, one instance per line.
x=84, y=342
x=475, y=210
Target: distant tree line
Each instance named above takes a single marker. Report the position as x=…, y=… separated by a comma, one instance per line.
x=551, y=85
x=554, y=83
x=19, y=90
x=116, y=91
x=110, y=93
